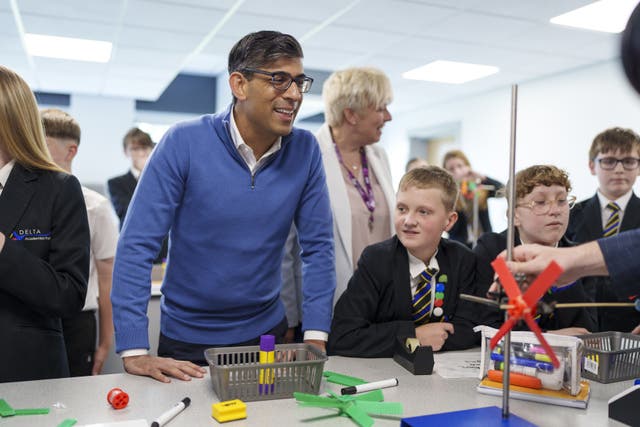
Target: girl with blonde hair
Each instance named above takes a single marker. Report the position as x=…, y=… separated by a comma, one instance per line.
x=44, y=230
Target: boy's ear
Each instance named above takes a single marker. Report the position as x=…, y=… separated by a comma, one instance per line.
x=516, y=219
x=452, y=217
x=592, y=167
x=72, y=150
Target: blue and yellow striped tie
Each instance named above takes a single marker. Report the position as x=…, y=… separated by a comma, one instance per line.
x=613, y=223
x=422, y=298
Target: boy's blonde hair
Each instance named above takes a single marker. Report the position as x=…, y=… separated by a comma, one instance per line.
x=432, y=177
x=533, y=176
x=614, y=139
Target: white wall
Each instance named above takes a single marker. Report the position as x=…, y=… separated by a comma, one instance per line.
x=557, y=120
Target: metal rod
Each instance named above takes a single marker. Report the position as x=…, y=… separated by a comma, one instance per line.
x=511, y=190
x=511, y=186
x=574, y=304
x=476, y=220
x=485, y=301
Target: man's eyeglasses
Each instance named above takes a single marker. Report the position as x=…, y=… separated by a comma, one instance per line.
x=282, y=81
x=610, y=163
x=542, y=207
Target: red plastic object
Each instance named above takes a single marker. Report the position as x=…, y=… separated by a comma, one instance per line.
x=524, y=306
x=117, y=398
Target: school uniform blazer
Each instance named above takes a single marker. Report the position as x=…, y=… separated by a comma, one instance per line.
x=585, y=225
x=376, y=308
x=585, y=222
x=488, y=247
x=340, y=206
x=44, y=267
x=121, y=190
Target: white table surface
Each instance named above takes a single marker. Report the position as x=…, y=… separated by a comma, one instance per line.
x=84, y=399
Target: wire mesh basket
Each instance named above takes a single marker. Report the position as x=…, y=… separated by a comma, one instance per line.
x=611, y=356
x=236, y=372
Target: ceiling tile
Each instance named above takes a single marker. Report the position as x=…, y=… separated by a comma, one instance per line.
x=96, y=11
x=377, y=14
x=168, y=16
x=242, y=24
x=60, y=27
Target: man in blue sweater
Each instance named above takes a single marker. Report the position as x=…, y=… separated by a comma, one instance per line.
x=227, y=188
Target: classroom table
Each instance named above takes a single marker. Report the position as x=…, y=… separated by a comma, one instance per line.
x=84, y=399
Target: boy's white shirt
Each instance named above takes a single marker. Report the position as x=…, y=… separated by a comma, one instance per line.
x=621, y=201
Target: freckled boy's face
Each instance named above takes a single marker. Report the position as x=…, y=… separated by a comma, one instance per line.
x=545, y=229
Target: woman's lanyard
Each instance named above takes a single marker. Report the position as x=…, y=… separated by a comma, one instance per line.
x=367, y=196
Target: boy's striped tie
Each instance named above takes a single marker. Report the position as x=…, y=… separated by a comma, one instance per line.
x=422, y=299
x=613, y=223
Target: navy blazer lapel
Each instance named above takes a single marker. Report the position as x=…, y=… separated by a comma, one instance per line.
x=631, y=217
x=402, y=279
x=593, y=219
x=15, y=197
x=131, y=182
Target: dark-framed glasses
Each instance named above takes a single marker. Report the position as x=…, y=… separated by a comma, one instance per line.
x=542, y=207
x=281, y=80
x=610, y=163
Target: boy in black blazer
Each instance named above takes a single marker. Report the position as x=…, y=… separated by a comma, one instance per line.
x=408, y=286
x=541, y=216
x=137, y=146
x=614, y=158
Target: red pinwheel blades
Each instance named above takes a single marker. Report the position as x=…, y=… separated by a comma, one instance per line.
x=524, y=306
x=543, y=282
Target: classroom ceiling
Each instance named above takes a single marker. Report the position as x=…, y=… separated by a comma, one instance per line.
x=154, y=40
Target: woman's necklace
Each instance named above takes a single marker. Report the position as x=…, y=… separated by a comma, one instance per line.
x=367, y=192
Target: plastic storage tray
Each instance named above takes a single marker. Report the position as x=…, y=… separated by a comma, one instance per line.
x=235, y=371
x=611, y=356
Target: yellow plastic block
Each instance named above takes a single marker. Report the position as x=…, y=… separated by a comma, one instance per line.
x=229, y=410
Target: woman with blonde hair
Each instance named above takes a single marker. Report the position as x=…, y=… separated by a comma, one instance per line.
x=357, y=170
x=44, y=231
x=471, y=182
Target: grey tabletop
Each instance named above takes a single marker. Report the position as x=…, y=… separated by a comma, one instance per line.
x=85, y=399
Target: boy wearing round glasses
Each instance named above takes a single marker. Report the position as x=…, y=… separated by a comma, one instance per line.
x=541, y=216
x=614, y=158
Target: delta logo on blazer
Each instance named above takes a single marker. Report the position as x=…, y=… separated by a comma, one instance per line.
x=29, y=234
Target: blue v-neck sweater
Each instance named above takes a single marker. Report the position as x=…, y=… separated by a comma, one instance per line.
x=227, y=233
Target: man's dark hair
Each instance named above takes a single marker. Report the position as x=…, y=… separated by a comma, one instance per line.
x=262, y=48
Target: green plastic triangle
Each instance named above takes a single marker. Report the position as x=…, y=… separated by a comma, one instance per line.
x=380, y=408
x=372, y=396
x=333, y=404
x=359, y=416
x=5, y=409
x=336, y=378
